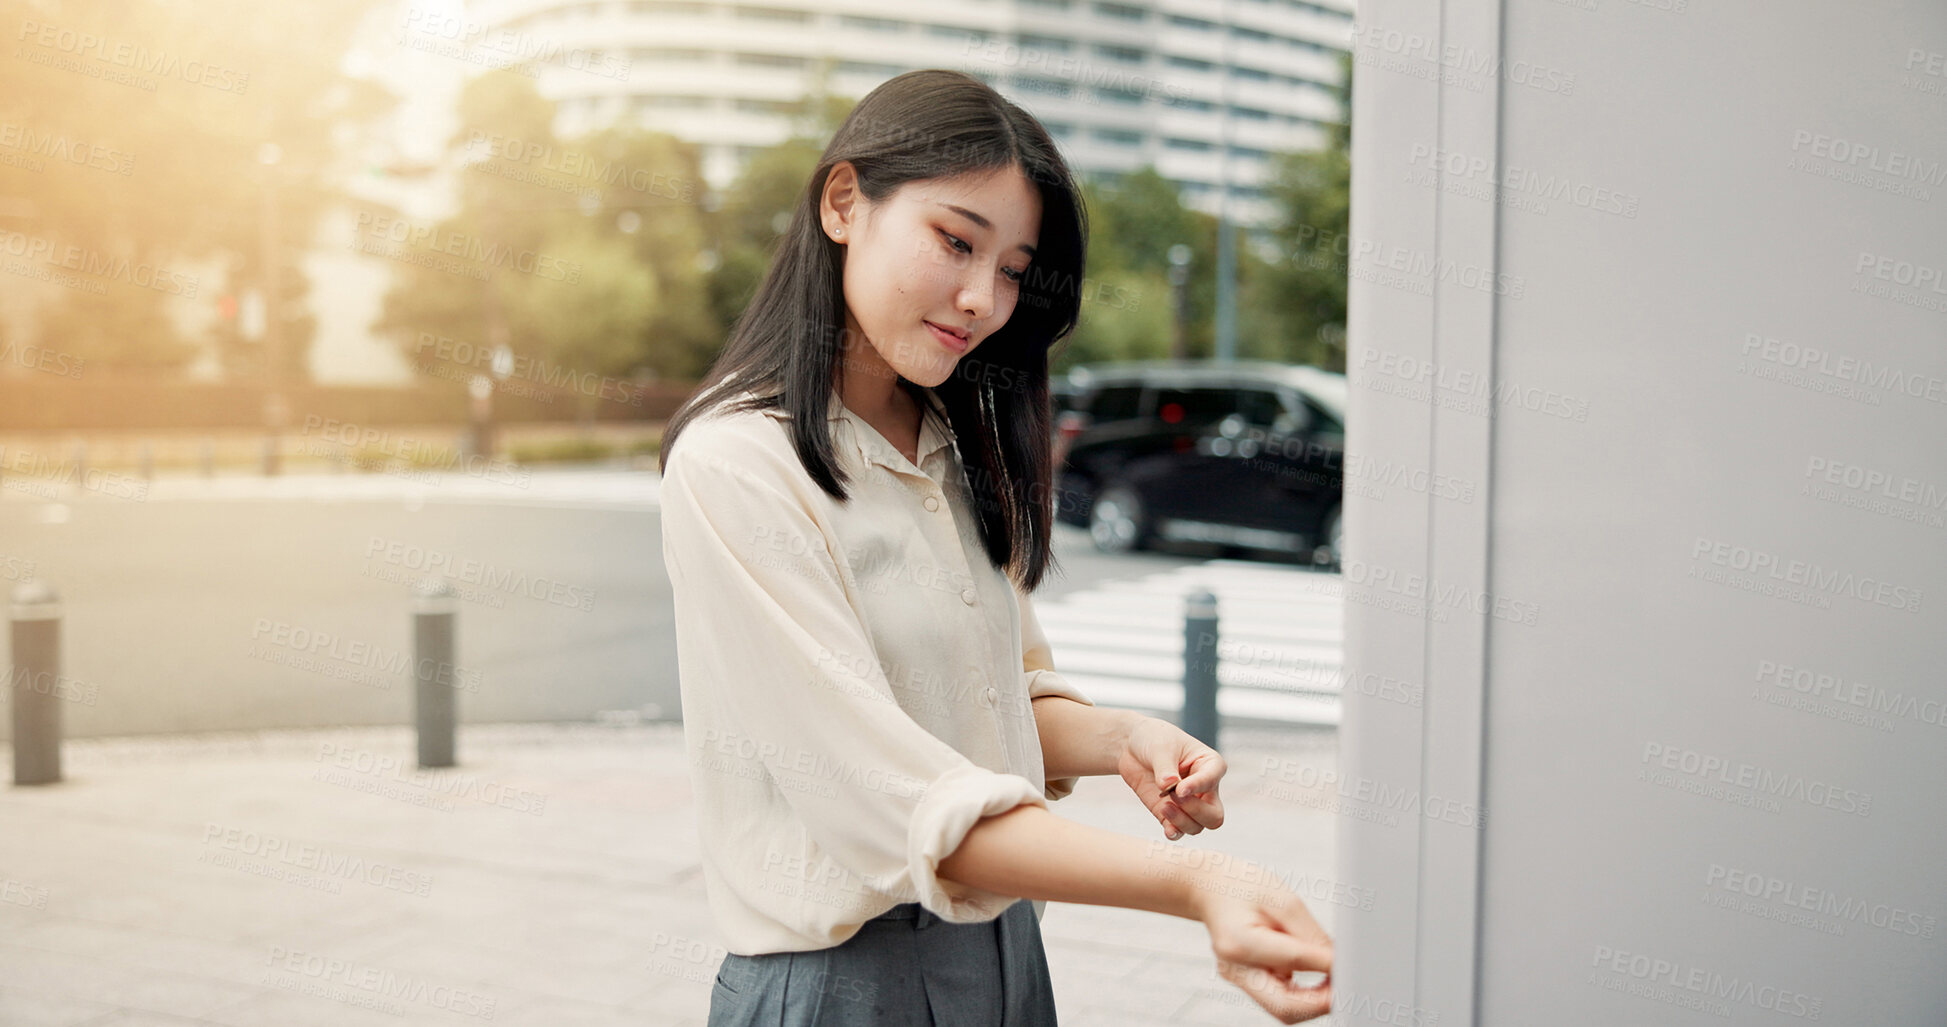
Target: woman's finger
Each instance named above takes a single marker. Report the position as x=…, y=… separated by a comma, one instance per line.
x=1203, y=774
x=1207, y=811
x=1281, y=998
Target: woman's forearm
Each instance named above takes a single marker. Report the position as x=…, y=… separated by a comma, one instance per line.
x=1078, y=740
x=1031, y=853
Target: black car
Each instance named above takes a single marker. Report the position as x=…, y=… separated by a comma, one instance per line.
x=1245, y=453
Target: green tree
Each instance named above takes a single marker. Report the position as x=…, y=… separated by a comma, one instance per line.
x=1298, y=303
x=577, y=254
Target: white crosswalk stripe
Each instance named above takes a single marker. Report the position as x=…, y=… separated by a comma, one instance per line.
x=1280, y=650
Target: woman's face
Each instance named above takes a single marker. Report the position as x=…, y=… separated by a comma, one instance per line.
x=933, y=270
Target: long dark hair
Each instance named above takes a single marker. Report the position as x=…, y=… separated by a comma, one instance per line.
x=784, y=346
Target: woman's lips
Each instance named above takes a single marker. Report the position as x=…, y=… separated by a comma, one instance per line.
x=947, y=339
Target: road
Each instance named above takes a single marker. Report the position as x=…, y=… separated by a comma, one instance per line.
x=248, y=602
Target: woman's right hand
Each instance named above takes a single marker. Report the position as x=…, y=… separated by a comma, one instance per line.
x=1261, y=935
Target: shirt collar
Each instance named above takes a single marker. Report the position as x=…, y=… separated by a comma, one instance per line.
x=935, y=433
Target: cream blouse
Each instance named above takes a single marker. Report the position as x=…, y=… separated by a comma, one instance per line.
x=856, y=678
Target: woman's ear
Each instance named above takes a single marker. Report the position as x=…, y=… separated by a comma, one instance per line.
x=838, y=203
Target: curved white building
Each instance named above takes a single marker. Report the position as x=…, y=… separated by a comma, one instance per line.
x=1204, y=90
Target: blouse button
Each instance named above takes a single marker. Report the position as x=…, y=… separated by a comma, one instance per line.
x=967, y=596
x=990, y=695
x=932, y=503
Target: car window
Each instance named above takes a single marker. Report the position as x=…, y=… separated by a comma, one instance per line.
x=1323, y=422
x=1259, y=407
x=1116, y=403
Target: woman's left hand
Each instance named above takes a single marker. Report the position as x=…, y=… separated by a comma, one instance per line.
x=1174, y=775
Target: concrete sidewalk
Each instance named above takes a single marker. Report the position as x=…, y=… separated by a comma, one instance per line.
x=316, y=877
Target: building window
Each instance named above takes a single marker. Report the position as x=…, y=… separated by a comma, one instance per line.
x=956, y=33
x=1120, y=97
x=1055, y=44
x=1192, y=145
x=774, y=14
x=1125, y=54
x=848, y=21
x=1121, y=12
x=1252, y=74
x=667, y=54
x=771, y=60
x=1251, y=113
x=1180, y=22
x=868, y=68
x=1187, y=104
x=1118, y=136
x=1190, y=64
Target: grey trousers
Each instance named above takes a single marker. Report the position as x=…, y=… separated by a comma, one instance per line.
x=907, y=968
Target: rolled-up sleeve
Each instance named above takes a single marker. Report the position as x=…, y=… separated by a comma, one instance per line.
x=1038, y=667
x=789, y=662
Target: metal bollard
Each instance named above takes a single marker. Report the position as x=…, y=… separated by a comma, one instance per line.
x=145, y=459
x=209, y=458
x=435, y=692
x=36, y=678
x=1199, y=718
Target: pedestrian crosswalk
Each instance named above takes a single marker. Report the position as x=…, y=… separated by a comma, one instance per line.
x=1279, y=649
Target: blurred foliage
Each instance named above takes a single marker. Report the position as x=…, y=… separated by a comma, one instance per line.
x=171, y=102
x=1303, y=293
x=579, y=254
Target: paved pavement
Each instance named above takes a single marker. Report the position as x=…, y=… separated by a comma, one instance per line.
x=315, y=877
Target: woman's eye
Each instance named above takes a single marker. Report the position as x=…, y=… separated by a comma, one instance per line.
x=1013, y=275
x=958, y=245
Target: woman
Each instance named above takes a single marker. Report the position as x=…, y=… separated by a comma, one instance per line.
x=855, y=506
